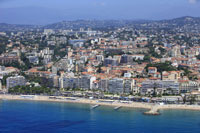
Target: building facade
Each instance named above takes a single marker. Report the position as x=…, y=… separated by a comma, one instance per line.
x=161, y=87
x=15, y=81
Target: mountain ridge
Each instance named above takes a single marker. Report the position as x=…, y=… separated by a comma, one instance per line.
x=98, y=24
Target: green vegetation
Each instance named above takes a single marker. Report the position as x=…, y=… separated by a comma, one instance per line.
x=34, y=79
x=27, y=64
x=99, y=70
x=3, y=43
x=147, y=58
x=17, y=65
x=113, y=53
x=198, y=57
x=138, y=61
x=186, y=71
x=4, y=79
x=58, y=52
x=41, y=80
x=162, y=67
x=153, y=53
x=192, y=99
x=162, y=50
x=27, y=90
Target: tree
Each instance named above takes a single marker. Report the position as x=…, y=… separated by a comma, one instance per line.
x=186, y=71
x=153, y=53
x=184, y=99
x=169, y=90
x=198, y=57
x=147, y=58
x=162, y=66
x=99, y=69
x=192, y=99
x=162, y=50
x=4, y=79
x=3, y=42
x=154, y=89
x=29, y=90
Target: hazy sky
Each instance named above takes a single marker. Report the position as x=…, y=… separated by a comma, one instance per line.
x=50, y=11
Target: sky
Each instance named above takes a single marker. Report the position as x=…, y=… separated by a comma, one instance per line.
x=50, y=11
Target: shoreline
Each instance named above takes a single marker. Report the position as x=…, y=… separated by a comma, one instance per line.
x=154, y=108
x=79, y=100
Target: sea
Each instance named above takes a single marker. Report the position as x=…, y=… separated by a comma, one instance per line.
x=58, y=117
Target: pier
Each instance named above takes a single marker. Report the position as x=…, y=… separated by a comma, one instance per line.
x=118, y=107
x=153, y=111
x=95, y=106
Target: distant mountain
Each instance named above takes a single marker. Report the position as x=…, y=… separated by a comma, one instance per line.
x=98, y=24
x=183, y=21
x=16, y=27
x=186, y=22
x=94, y=24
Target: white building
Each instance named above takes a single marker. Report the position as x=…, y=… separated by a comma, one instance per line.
x=103, y=84
x=127, y=75
x=69, y=82
x=48, y=31
x=116, y=85
x=84, y=82
x=2, y=68
x=100, y=58
x=15, y=81
x=0, y=85
x=128, y=85
x=138, y=57
x=160, y=87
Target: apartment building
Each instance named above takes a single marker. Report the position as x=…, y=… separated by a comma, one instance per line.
x=15, y=81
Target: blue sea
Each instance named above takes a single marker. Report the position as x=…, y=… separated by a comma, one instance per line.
x=48, y=117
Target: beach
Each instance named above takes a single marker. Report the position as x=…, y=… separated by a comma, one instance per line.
x=154, y=108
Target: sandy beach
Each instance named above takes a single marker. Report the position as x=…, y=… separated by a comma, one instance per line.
x=78, y=100
x=152, y=107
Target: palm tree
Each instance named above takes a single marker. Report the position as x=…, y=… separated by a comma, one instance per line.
x=184, y=99
x=192, y=99
x=154, y=89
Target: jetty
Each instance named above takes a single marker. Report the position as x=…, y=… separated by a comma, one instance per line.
x=153, y=111
x=118, y=107
x=95, y=106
